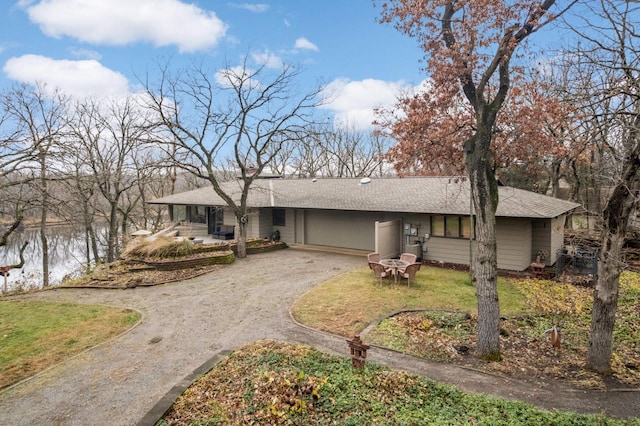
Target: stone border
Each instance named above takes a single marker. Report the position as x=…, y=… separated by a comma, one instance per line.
x=161, y=407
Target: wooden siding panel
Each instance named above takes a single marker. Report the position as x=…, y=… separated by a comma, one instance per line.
x=540, y=238
x=513, y=238
x=448, y=250
x=548, y=235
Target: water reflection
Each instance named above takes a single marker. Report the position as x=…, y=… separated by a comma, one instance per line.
x=67, y=255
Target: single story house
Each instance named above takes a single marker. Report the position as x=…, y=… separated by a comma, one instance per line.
x=430, y=216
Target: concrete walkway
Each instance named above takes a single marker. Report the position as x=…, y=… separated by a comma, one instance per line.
x=187, y=325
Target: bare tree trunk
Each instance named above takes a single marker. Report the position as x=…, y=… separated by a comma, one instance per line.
x=621, y=206
x=43, y=217
x=90, y=235
x=241, y=238
x=113, y=232
x=605, y=304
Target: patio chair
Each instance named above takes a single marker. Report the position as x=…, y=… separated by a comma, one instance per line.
x=379, y=271
x=373, y=258
x=407, y=257
x=409, y=273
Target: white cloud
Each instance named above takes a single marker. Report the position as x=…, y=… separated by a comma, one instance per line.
x=85, y=53
x=75, y=78
x=303, y=43
x=255, y=8
x=268, y=59
x=233, y=76
x=353, y=102
x=120, y=22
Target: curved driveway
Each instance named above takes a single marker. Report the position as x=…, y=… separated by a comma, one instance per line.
x=188, y=323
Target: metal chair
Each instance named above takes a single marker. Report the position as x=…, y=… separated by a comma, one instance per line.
x=409, y=273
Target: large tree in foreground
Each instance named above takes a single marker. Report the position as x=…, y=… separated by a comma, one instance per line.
x=469, y=48
x=610, y=52
x=238, y=112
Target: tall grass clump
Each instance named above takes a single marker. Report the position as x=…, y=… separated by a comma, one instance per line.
x=162, y=247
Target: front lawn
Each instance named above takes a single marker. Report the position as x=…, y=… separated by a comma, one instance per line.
x=37, y=335
x=348, y=303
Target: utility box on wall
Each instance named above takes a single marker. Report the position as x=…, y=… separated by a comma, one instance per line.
x=414, y=249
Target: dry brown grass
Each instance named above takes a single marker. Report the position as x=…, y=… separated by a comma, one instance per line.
x=162, y=247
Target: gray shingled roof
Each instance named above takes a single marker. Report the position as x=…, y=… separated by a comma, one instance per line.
x=436, y=195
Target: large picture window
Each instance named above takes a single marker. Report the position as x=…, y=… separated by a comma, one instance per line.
x=197, y=214
x=179, y=213
x=279, y=217
x=437, y=226
x=451, y=226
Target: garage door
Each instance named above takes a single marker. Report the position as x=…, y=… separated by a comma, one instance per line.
x=354, y=230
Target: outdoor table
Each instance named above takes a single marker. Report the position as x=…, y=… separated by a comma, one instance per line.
x=394, y=265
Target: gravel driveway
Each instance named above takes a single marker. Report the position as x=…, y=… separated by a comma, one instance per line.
x=187, y=324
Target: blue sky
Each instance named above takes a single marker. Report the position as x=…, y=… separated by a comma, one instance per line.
x=98, y=47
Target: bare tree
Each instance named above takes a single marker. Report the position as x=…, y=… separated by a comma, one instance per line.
x=12, y=155
x=328, y=151
x=239, y=112
x=109, y=134
x=353, y=153
x=41, y=117
x=610, y=50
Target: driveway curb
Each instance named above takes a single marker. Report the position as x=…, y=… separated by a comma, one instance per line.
x=165, y=403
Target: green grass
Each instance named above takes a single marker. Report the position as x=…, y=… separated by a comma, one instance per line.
x=36, y=335
x=348, y=303
x=280, y=383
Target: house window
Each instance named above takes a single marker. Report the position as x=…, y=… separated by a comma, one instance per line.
x=437, y=226
x=279, y=217
x=179, y=213
x=197, y=214
x=451, y=226
x=466, y=228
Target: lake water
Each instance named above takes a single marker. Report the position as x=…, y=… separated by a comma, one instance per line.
x=66, y=256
